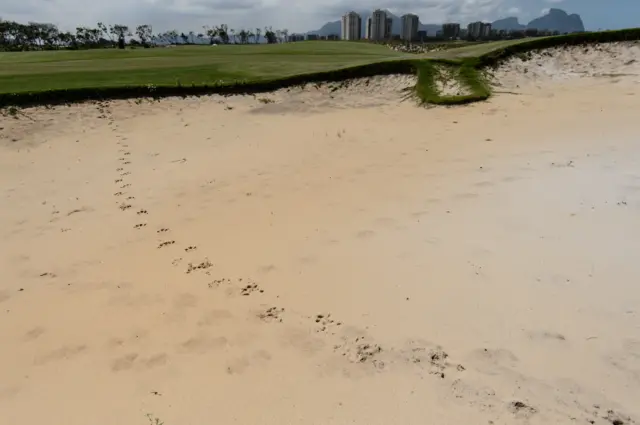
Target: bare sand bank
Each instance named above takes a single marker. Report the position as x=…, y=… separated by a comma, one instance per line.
x=322, y=258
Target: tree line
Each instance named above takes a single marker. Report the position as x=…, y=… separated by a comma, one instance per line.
x=15, y=36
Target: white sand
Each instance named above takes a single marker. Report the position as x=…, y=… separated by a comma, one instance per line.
x=559, y=65
x=447, y=82
x=470, y=264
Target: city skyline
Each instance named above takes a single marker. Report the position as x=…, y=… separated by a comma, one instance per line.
x=303, y=16
x=378, y=27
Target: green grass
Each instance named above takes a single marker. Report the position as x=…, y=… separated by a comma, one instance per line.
x=475, y=50
x=33, y=78
x=51, y=70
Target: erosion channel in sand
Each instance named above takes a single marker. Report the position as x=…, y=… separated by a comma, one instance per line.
x=329, y=256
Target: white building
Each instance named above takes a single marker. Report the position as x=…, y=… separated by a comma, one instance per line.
x=410, y=24
x=351, y=26
x=377, y=26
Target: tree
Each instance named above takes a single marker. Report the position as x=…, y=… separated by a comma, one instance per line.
x=531, y=32
x=87, y=38
x=171, y=36
x=212, y=33
x=106, y=33
x=120, y=32
x=144, y=33
x=185, y=38
x=270, y=35
x=223, y=33
x=68, y=40
x=232, y=32
x=244, y=36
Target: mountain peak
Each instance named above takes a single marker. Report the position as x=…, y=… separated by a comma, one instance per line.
x=558, y=12
x=558, y=20
x=510, y=23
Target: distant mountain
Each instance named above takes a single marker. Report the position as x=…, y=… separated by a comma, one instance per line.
x=507, y=24
x=558, y=20
x=335, y=27
x=555, y=20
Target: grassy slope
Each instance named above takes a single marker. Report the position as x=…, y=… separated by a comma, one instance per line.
x=37, y=71
x=474, y=50
x=54, y=77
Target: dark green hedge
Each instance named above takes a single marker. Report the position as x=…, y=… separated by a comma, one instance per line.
x=495, y=57
x=53, y=97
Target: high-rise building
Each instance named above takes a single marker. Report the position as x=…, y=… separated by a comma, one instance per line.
x=451, y=30
x=377, y=25
x=387, y=28
x=476, y=30
x=486, y=30
x=351, y=26
x=410, y=24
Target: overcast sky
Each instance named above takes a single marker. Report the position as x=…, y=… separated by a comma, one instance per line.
x=302, y=15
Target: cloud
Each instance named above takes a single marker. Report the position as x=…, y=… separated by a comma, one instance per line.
x=296, y=15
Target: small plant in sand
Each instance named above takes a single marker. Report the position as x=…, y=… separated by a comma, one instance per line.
x=12, y=111
x=266, y=100
x=153, y=420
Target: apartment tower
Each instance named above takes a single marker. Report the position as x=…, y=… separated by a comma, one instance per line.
x=451, y=30
x=377, y=26
x=410, y=24
x=478, y=29
x=351, y=26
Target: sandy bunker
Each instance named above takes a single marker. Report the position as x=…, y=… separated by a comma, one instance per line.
x=328, y=256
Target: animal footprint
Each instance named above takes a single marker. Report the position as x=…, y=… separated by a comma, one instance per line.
x=126, y=162
x=131, y=197
x=326, y=322
x=125, y=185
x=138, y=226
x=121, y=159
x=119, y=169
x=125, y=206
x=216, y=283
x=190, y=248
x=167, y=243
x=125, y=174
x=272, y=314
x=127, y=153
x=118, y=180
x=202, y=266
x=176, y=261
x=142, y=212
x=249, y=289
x=163, y=230
x=118, y=194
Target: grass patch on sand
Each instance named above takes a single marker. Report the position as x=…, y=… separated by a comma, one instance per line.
x=40, y=78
